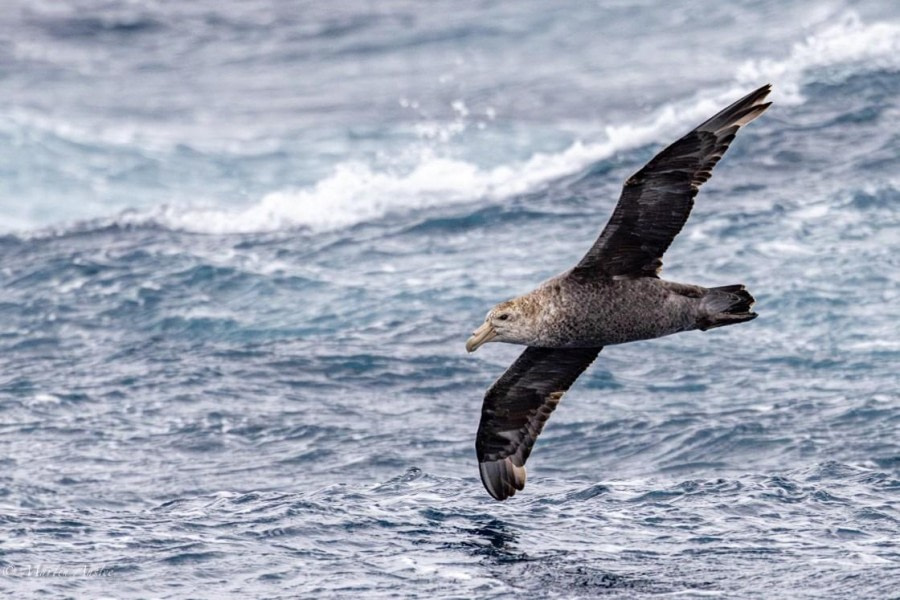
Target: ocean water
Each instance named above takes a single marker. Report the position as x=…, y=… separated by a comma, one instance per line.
x=242, y=245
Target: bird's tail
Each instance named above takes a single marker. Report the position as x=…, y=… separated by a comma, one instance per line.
x=725, y=305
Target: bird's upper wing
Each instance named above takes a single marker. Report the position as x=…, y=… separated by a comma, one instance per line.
x=516, y=408
x=656, y=201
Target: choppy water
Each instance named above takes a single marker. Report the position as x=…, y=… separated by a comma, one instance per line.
x=243, y=244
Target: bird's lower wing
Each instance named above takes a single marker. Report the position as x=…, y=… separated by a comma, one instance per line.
x=516, y=408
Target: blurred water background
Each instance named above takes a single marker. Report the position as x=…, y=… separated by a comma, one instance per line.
x=242, y=244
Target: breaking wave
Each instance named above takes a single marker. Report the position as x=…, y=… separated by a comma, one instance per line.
x=356, y=192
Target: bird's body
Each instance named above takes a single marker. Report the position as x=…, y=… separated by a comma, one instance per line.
x=612, y=296
x=603, y=312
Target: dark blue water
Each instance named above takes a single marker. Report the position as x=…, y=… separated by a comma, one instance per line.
x=242, y=245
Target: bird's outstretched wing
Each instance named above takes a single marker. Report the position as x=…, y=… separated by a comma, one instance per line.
x=656, y=201
x=516, y=408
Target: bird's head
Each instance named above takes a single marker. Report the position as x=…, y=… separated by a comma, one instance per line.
x=511, y=321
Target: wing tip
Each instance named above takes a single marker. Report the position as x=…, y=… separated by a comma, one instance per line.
x=501, y=478
x=740, y=112
x=757, y=95
x=766, y=87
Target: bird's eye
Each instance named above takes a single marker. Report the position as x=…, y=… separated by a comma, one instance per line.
x=503, y=317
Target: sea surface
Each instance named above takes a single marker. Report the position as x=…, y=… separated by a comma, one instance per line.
x=243, y=242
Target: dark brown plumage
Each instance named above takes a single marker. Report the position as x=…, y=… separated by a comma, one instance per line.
x=521, y=402
x=656, y=201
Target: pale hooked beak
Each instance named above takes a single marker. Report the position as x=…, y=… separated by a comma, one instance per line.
x=480, y=336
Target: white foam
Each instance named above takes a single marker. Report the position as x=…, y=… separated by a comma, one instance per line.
x=848, y=41
x=356, y=193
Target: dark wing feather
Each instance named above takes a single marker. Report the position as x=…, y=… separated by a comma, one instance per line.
x=516, y=408
x=656, y=201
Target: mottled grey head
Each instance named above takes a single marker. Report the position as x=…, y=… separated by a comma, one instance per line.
x=511, y=321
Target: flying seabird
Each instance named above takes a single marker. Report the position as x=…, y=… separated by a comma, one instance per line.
x=613, y=296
